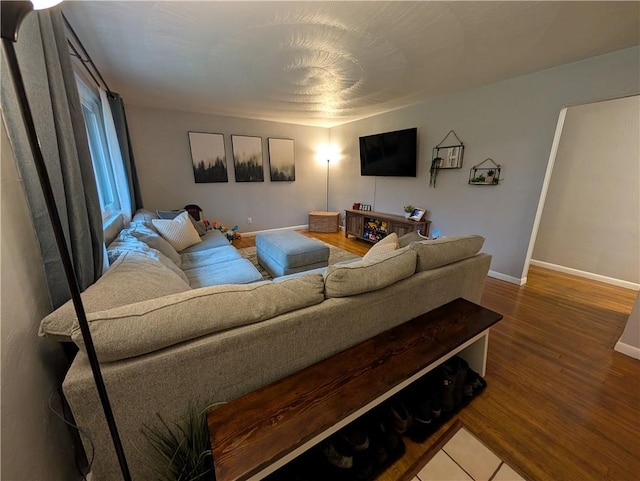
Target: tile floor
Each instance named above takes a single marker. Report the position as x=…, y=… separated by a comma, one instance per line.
x=464, y=458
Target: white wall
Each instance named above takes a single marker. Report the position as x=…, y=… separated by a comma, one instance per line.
x=591, y=217
x=35, y=444
x=629, y=342
x=163, y=161
x=512, y=122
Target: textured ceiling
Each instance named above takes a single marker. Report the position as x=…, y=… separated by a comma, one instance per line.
x=326, y=63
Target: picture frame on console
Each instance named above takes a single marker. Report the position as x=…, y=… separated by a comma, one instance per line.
x=417, y=214
x=282, y=165
x=208, y=157
x=247, y=158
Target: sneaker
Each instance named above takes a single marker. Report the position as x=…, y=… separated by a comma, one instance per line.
x=474, y=382
x=419, y=403
x=461, y=376
x=399, y=416
x=355, y=437
x=449, y=376
x=337, y=458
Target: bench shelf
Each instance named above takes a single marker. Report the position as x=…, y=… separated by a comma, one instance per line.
x=258, y=433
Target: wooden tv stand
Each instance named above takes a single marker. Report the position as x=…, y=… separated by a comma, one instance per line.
x=373, y=226
x=256, y=434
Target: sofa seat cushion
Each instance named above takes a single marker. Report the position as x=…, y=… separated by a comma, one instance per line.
x=133, y=277
x=234, y=271
x=366, y=275
x=209, y=257
x=439, y=252
x=151, y=325
x=213, y=238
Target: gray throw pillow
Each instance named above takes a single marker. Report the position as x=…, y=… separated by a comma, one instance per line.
x=169, y=214
x=407, y=239
x=172, y=214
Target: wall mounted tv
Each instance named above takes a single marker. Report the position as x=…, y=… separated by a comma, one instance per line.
x=389, y=154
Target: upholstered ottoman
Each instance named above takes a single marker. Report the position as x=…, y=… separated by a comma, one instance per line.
x=288, y=252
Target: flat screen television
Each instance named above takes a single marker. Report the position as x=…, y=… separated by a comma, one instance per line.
x=389, y=154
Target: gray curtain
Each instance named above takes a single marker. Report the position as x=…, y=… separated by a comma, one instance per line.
x=53, y=96
x=122, y=131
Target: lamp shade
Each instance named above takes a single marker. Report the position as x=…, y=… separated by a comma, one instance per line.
x=43, y=4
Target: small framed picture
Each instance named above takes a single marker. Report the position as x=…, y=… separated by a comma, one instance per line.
x=417, y=214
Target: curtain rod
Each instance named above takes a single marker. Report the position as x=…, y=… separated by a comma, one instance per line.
x=87, y=58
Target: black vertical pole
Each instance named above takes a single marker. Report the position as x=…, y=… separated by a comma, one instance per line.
x=61, y=242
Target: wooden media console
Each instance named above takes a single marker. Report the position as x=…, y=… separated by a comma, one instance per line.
x=374, y=226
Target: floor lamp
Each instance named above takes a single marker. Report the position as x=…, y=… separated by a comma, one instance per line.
x=12, y=13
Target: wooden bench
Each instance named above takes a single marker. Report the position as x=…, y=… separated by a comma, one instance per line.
x=256, y=434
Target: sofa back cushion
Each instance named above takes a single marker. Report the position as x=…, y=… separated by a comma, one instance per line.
x=342, y=280
x=439, y=252
x=133, y=277
x=145, y=327
x=144, y=215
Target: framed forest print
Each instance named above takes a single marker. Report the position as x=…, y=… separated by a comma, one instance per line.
x=247, y=158
x=208, y=157
x=282, y=166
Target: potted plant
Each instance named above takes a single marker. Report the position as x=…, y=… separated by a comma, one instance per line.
x=490, y=174
x=408, y=209
x=435, y=167
x=181, y=451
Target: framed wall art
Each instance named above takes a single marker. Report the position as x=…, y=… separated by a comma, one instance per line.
x=208, y=157
x=247, y=158
x=282, y=166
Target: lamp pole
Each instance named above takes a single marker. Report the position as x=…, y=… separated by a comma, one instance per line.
x=328, y=162
x=12, y=13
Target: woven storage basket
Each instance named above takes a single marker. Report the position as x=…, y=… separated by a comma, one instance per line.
x=324, y=221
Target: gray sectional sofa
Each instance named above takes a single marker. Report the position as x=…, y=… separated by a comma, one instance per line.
x=166, y=340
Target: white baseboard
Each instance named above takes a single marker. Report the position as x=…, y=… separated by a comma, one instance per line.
x=506, y=278
x=293, y=227
x=587, y=275
x=630, y=351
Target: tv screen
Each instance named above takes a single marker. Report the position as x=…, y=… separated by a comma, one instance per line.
x=389, y=154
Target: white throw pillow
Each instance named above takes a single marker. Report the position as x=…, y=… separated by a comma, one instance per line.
x=179, y=232
x=388, y=244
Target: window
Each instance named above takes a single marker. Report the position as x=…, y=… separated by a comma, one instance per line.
x=103, y=167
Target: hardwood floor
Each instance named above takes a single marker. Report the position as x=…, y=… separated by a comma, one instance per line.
x=560, y=404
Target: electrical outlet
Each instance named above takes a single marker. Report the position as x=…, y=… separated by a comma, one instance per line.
x=249, y=220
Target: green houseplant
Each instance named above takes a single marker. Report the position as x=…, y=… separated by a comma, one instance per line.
x=181, y=451
x=408, y=209
x=435, y=167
